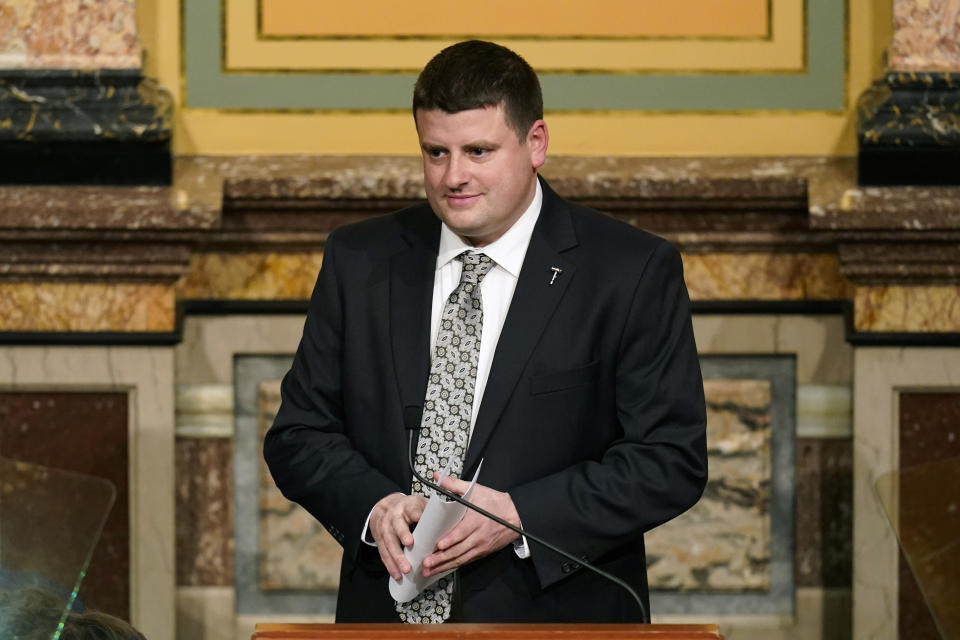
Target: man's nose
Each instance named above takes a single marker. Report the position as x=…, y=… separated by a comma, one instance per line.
x=457, y=173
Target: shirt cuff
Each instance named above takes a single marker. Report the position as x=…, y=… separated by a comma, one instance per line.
x=521, y=548
x=363, y=534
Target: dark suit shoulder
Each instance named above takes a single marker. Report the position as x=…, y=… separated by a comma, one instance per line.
x=388, y=233
x=619, y=243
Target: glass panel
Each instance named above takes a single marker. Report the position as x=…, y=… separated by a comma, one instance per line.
x=923, y=505
x=50, y=521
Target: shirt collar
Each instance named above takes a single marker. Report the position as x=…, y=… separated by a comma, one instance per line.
x=507, y=251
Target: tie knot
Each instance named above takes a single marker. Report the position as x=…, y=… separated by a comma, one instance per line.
x=475, y=266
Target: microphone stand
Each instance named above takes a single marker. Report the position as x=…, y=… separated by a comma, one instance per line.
x=644, y=616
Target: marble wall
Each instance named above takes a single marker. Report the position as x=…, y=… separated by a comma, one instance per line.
x=824, y=511
x=929, y=433
x=295, y=551
x=143, y=376
x=57, y=34
x=204, y=516
x=34, y=427
x=723, y=542
x=222, y=602
x=926, y=35
x=886, y=377
x=722, y=545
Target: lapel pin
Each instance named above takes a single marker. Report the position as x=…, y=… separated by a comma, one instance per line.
x=556, y=271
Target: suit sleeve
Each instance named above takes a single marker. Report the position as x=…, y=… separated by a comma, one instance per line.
x=308, y=449
x=658, y=467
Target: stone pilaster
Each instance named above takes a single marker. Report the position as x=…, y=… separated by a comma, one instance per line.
x=74, y=105
x=909, y=120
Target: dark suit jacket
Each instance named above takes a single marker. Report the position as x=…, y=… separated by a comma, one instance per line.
x=592, y=419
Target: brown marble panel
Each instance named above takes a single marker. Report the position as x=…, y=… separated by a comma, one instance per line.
x=86, y=433
x=929, y=427
x=251, y=276
x=896, y=209
x=580, y=177
x=824, y=512
x=929, y=432
x=764, y=276
x=926, y=35
x=204, y=511
x=923, y=309
x=140, y=209
x=54, y=306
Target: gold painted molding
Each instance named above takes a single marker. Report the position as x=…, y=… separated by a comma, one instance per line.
x=608, y=133
x=246, y=50
x=608, y=18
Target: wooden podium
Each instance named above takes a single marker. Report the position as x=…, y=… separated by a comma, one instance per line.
x=486, y=632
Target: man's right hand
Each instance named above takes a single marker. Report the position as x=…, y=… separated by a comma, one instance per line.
x=390, y=523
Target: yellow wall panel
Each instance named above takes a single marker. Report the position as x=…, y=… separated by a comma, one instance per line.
x=498, y=18
x=782, y=50
x=616, y=134
x=206, y=131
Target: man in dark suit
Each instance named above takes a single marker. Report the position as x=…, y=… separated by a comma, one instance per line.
x=502, y=323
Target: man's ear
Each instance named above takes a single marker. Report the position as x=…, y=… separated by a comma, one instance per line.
x=537, y=139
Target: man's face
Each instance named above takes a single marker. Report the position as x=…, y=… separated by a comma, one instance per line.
x=479, y=178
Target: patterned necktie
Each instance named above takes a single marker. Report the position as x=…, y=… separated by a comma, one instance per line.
x=447, y=408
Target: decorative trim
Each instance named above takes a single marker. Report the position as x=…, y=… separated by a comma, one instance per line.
x=91, y=338
x=868, y=339
x=825, y=411
x=820, y=86
x=204, y=411
x=98, y=338
x=894, y=339
x=244, y=307
x=107, y=127
x=769, y=307
x=908, y=131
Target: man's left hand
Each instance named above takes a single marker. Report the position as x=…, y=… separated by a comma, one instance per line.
x=475, y=536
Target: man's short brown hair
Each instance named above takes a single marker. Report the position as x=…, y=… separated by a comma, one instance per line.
x=476, y=74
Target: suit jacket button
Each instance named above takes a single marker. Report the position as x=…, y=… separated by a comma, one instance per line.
x=566, y=567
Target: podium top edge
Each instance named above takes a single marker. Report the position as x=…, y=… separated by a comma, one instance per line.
x=330, y=631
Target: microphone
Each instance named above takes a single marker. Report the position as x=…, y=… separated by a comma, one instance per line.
x=411, y=420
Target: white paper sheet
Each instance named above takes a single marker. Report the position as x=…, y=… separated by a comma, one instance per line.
x=439, y=517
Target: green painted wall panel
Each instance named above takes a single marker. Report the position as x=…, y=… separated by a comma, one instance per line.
x=820, y=88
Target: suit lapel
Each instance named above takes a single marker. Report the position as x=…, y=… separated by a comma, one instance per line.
x=411, y=297
x=534, y=301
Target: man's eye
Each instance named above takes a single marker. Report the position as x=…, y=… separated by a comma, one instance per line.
x=435, y=153
x=478, y=152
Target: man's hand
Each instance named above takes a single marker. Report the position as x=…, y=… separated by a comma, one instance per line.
x=475, y=536
x=390, y=523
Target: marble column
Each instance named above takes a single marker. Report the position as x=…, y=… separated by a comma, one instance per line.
x=88, y=263
x=898, y=248
x=909, y=128
x=74, y=106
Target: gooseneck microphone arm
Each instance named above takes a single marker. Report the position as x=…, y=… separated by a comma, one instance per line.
x=644, y=616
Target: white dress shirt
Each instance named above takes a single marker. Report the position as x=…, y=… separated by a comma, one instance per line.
x=496, y=291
